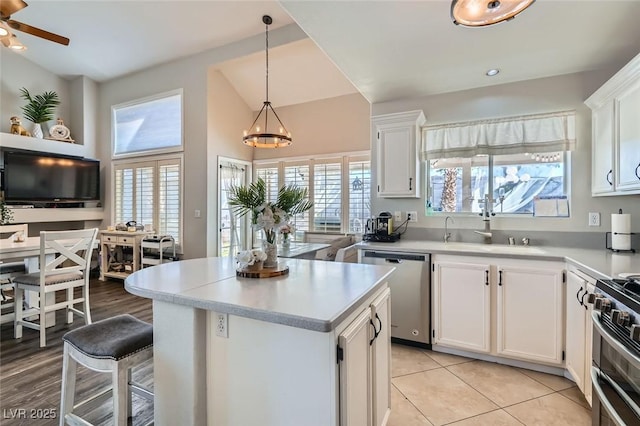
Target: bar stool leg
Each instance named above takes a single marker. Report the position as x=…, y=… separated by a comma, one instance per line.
x=69, y=305
x=68, y=384
x=17, y=306
x=129, y=394
x=120, y=397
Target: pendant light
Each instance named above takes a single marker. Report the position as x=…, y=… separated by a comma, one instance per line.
x=262, y=137
x=480, y=13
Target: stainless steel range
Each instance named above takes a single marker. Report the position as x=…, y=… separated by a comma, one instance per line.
x=616, y=352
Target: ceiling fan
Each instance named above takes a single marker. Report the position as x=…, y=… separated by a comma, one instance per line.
x=9, y=7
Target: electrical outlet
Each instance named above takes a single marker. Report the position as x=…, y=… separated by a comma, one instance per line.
x=594, y=219
x=397, y=216
x=412, y=216
x=222, y=329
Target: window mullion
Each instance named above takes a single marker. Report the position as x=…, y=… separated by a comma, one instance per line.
x=344, y=187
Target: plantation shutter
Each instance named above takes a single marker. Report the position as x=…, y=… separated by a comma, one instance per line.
x=270, y=176
x=123, y=199
x=298, y=174
x=327, y=196
x=170, y=198
x=359, y=187
x=144, y=195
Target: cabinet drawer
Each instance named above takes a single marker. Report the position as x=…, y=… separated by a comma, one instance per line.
x=126, y=240
x=109, y=238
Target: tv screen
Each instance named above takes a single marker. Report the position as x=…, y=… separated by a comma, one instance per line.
x=44, y=177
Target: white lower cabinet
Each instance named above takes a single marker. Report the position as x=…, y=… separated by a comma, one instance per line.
x=462, y=308
x=364, y=362
x=579, y=330
x=508, y=308
x=295, y=376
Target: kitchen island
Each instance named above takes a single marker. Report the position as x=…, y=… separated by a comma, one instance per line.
x=310, y=347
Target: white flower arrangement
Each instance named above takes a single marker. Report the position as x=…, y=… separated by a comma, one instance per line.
x=250, y=257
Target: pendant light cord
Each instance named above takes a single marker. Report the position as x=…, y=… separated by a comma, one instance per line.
x=267, y=58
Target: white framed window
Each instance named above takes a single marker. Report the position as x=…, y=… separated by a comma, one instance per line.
x=149, y=191
x=338, y=185
x=150, y=125
x=232, y=229
x=512, y=181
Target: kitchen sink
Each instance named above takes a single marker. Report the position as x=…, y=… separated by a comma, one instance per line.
x=495, y=248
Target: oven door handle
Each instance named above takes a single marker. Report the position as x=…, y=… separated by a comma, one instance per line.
x=619, y=347
x=596, y=375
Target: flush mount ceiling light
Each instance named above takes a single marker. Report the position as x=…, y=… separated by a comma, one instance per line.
x=263, y=137
x=480, y=13
x=492, y=72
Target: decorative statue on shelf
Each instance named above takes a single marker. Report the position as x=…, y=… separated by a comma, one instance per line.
x=16, y=127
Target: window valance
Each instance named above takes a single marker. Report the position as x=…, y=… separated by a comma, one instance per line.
x=512, y=135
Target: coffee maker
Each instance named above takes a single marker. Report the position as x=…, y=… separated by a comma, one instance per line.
x=380, y=228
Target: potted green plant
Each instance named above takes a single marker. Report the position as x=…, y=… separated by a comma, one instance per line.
x=39, y=109
x=268, y=216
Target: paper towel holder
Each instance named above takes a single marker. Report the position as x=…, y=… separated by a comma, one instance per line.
x=607, y=242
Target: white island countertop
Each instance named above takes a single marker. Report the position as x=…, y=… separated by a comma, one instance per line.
x=314, y=295
x=599, y=263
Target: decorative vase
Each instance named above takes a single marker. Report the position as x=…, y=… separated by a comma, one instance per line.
x=36, y=132
x=271, y=249
x=286, y=241
x=257, y=266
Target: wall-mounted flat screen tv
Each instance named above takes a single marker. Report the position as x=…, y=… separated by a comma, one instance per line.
x=38, y=176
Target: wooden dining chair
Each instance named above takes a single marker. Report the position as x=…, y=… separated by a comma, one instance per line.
x=8, y=271
x=68, y=270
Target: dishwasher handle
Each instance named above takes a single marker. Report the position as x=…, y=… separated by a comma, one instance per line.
x=388, y=256
x=396, y=261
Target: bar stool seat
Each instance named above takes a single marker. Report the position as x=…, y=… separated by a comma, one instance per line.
x=113, y=345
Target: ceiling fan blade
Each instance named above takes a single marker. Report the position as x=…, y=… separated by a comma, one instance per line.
x=19, y=26
x=8, y=7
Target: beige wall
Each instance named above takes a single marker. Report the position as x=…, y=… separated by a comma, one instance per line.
x=326, y=126
x=17, y=72
x=559, y=93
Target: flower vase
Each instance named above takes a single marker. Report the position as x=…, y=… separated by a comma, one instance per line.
x=271, y=249
x=286, y=242
x=36, y=131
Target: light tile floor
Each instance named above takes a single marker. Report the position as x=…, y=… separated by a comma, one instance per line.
x=432, y=388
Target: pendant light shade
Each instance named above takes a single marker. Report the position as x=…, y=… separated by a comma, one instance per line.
x=480, y=13
x=267, y=130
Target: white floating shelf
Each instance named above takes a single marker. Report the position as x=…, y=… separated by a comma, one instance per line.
x=34, y=215
x=8, y=140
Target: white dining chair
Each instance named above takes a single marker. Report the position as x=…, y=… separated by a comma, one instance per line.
x=8, y=271
x=68, y=270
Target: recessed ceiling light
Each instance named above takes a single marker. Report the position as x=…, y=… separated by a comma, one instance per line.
x=492, y=72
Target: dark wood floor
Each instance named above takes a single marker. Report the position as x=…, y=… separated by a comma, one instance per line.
x=30, y=375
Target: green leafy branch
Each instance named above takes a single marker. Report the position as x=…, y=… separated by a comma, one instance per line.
x=39, y=108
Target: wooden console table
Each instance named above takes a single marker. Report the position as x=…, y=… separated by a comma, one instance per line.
x=115, y=263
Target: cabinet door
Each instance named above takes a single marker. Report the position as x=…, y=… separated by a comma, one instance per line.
x=576, y=328
x=602, y=150
x=628, y=144
x=355, y=371
x=397, y=161
x=529, y=314
x=381, y=360
x=462, y=317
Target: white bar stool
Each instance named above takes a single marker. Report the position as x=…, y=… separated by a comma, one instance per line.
x=113, y=345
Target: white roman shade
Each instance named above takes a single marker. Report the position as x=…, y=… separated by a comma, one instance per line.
x=511, y=135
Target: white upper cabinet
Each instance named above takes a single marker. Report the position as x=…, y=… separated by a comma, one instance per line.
x=397, y=138
x=616, y=133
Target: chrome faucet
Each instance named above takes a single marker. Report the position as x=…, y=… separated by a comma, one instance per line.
x=486, y=218
x=447, y=234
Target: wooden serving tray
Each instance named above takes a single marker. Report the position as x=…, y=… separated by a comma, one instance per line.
x=279, y=270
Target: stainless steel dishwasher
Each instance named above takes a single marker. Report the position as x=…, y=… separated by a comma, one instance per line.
x=410, y=294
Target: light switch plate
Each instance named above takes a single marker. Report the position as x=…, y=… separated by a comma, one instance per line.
x=397, y=216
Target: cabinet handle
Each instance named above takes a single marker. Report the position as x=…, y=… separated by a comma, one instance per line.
x=410, y=184
x=375, y=333
x=486, y=277
x=380, y=324
x=582, y=300
x=609, y=174
x=637, y=168
x=500, y=278
x=578, y=295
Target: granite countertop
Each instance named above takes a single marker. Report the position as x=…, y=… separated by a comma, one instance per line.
x=315, y=295
x=599, y=263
